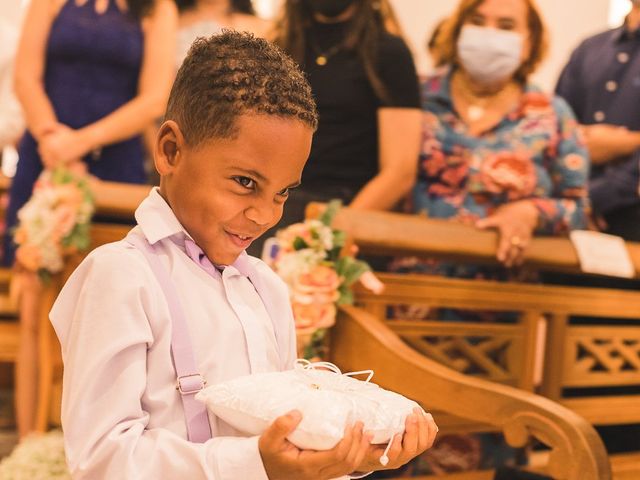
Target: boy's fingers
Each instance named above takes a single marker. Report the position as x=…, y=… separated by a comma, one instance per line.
x=410, y=438
x=364, y=448
x=282, y=426
x=346, y=454
x=394, y=451
x=423, y=429
x=433, y=431
x=328, y=458
x=356, y=443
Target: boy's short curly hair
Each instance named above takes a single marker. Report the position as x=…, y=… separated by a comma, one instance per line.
x=230, y=74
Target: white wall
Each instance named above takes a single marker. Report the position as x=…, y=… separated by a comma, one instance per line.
x=10, y=10
x=569, y=21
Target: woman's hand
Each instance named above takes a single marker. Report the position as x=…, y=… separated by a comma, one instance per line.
x=515, y=223
x=419, y=435
x=284, y=461
x=62, y=145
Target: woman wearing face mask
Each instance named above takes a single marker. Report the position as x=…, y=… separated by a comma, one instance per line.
x=496, y=153
x=364, y=80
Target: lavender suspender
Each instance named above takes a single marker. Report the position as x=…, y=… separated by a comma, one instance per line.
x=189, y=380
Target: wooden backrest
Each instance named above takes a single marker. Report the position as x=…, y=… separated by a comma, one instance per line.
x=359, y=340
x=540, y=346
x=362, y=341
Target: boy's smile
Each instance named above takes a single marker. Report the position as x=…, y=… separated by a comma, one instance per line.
x=227, y=192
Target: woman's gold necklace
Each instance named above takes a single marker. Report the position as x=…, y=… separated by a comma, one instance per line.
x=476, y=106
x=323, y=56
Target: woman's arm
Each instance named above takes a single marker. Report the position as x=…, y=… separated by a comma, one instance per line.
x=29, y=67
x=156, y=76
x=569, y=165
x=566, y=207
x=399, y=131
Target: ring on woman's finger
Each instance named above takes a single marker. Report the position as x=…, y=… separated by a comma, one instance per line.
x=516, y=241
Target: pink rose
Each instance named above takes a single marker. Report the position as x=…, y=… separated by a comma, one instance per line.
x=320, y=279
x=65, y=220
x=512, y=173
x=29, y=256
x=435, y=163
x=573, y=161
x=314, y=315
x=287, y=236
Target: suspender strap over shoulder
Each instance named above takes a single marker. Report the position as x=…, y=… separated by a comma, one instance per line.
x=189, y=381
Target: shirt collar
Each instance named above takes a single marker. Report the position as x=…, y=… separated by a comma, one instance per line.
x=622, y=34
x=156, y=219
x=157, y=222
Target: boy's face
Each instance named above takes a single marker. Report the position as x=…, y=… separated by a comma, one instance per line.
x=229, y=191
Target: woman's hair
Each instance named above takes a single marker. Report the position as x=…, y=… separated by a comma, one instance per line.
x=237, y=6
x=140, y=8
x=445, y=46
x=371, y=19
x=432, y=44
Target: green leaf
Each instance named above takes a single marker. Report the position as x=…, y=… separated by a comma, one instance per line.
x=332, y=209
x=351, y=269
x=315, y=348
x=45, y=276
x=346, y=295
x=299, y=244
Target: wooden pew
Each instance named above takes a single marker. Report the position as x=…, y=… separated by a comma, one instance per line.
x=577, y=356
x=362, y=339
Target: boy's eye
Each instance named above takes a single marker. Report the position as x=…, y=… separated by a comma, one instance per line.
x=284, y=192
x=246, y=182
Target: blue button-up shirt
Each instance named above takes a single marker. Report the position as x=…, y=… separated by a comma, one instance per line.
x=601, y=82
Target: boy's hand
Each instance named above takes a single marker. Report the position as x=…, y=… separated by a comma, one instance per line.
x=420, y=433
x=284, y=461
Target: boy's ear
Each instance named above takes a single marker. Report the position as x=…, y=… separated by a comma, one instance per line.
x=170, y=146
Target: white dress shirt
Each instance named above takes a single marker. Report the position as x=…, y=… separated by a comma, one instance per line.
x=121, y=414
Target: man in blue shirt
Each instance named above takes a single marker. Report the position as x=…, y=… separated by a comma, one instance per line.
x=601, y=82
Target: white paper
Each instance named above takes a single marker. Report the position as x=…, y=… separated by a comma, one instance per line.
x=602, y=254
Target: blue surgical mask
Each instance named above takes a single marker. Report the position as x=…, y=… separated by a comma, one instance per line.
x=489, y=55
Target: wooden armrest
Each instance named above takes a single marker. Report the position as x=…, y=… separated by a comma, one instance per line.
x=360, y=341
x=388, y=233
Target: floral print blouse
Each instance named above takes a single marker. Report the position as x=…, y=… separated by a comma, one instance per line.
x=535, y=153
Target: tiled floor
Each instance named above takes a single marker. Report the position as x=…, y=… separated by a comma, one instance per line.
x=8, y=435
x=8, y=440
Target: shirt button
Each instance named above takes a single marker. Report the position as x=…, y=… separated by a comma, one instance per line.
x=623, y=57
x=599, y=116
x=611, y=86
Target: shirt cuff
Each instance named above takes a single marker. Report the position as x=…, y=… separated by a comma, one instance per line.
x=240, y=458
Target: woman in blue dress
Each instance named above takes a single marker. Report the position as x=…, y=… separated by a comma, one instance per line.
x=90, y=75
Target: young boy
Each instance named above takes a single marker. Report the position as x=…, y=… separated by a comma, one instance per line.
x=179, y=297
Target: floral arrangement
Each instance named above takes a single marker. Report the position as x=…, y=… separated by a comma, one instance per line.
x=37, y=457
x=313, y=260
x=54, y=222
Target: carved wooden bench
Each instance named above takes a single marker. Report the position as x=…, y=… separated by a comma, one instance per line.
x=363, y=340
x=541, y=351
